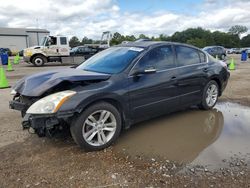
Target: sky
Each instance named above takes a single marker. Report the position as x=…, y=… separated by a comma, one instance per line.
x=129, y=17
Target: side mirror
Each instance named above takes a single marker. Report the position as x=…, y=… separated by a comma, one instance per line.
x=138, y=72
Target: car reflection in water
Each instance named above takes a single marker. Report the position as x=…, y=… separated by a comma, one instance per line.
x=178, y=137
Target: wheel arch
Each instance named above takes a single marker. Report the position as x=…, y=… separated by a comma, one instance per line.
x=37, y=54
x=113, y=101
x=218, y=81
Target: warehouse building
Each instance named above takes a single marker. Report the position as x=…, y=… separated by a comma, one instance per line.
x=17, y=39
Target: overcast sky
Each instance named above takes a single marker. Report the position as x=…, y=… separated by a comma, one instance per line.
x=151, y=17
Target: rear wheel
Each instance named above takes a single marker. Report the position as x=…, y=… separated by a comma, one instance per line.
x=210, y=95
x=97, y=127
x=39, y=60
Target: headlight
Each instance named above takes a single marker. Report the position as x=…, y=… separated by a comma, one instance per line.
x=51, y=103
x=27, y=53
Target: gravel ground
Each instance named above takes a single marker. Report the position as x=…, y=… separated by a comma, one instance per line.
x=29, y=161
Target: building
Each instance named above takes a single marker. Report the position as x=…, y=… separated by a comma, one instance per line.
x=17, y=39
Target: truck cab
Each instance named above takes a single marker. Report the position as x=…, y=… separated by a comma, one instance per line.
x=52, y=49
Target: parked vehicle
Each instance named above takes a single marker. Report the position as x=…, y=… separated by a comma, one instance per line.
x=230, y=51
x=218, y=51
x=86, y=51
x=56, y=48
x=118, y=87
x=237, y=50
x=5, y=51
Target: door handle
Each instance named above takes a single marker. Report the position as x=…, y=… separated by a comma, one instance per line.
x=205, y=69
x=173, y=78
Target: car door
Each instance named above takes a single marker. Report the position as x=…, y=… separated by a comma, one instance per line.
x=192, y=73
x=153, y=90
x=52, y=49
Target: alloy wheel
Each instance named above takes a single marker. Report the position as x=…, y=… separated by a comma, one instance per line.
x=99, y=128
x=211, y=95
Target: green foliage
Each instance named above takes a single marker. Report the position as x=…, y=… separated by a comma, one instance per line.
x=86, y=40
x=195, y=36
x=74, y=41
x=198, y=42
x=245, y=41
x=238, y=29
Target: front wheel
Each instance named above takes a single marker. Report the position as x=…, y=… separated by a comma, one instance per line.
x=39, y=60
x=210, y=95
x=97, y=127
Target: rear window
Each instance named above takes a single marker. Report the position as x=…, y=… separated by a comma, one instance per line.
x=187, y=56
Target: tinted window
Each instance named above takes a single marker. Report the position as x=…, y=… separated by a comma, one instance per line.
x=159, y=58
x=63, y=40
x=187, y=56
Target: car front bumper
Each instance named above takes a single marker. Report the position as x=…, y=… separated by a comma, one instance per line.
x=41, y=123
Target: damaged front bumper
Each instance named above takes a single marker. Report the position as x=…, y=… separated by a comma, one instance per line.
x=42, y=124
x=47, y=124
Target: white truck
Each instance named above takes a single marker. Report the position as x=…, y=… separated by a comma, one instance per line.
x=56, y=49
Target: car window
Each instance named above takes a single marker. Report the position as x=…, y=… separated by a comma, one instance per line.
x=63, y=40
x=80, y=49
x=112, y=60
x=53, y=40
x=187, y=56
x=159, y=58
x=202, y=57
x=87, y=49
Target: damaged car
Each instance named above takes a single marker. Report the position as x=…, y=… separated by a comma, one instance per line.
x=116, y=88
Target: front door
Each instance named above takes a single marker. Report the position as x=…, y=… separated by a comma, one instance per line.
x=154, y=92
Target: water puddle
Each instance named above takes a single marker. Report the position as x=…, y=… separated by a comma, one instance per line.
x=192, y=137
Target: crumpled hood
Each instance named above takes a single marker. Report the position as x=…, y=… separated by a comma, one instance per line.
x=36, y=84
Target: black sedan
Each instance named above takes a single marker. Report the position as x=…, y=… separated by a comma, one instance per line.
x=85, y=51
x=118, y=87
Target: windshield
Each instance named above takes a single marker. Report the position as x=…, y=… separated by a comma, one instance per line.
x=43, y=41
x=112, y=60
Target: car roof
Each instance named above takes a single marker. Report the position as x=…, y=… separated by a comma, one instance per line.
x=146, y=44
x=213, y=46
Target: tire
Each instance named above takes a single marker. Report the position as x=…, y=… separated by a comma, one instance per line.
x=223, y=57
x=94, y=129
x=39, y=60
x=205, y=105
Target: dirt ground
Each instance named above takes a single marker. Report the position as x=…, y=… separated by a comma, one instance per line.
x=187, y=157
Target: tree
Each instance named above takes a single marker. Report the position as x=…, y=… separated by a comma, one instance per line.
x=245, y=41
x=142, y=36
x=198, y=42
x=86, y=40
x=74, y=41
x=238, y=30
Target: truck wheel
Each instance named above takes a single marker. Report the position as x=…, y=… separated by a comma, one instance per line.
x=97, y=127
x=39, y=60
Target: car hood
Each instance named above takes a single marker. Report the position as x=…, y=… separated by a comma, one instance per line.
x=37, y=84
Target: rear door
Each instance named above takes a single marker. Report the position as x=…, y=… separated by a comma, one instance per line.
x=63, y=48
x=154, y=93
x=192, y=74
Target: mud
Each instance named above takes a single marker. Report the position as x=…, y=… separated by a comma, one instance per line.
x=191, y=137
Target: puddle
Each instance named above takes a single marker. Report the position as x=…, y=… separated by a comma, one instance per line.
x=192, y=137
